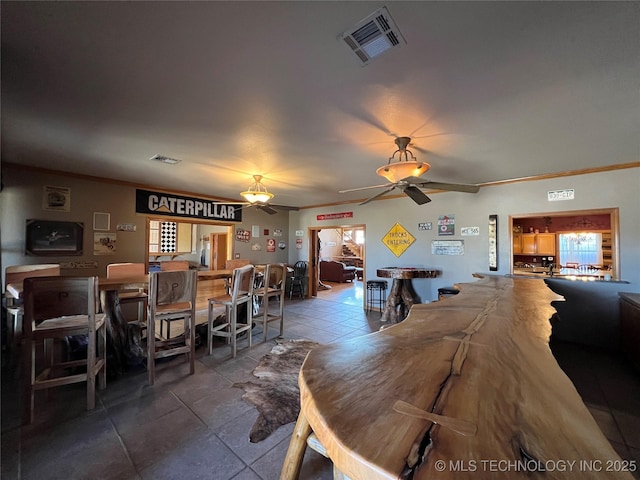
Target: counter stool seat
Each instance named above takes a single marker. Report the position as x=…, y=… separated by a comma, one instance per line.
x=445, y=292
x=376, y=294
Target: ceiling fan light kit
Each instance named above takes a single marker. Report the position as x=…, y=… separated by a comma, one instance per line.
x=257, y=192
x=406, y=165
x=394, y=172
x=404, y=174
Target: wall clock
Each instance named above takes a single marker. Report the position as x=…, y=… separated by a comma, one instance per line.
x=493, y=243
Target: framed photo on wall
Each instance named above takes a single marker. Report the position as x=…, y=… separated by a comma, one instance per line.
x=56, y=198
x=50, y=237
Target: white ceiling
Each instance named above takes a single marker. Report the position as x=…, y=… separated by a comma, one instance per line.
x=488, y=91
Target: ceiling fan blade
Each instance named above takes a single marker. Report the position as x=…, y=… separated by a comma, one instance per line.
x=266, y=208
x=453, y=187
x=368, y=188
x=414, y=180
x=416, y=195
x=283, y=207
x=387, y=190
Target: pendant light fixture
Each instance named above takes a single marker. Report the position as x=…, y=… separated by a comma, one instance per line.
x=404, y=163
x=257, y=192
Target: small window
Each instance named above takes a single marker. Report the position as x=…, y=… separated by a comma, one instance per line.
x=584, y=248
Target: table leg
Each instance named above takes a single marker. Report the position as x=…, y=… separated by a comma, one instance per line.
x=390, y=313
x=297, y=446
x=400, y=300
x=123, y=340
x=409, y=296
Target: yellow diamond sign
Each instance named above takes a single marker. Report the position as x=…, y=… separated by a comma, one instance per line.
x=398, y=239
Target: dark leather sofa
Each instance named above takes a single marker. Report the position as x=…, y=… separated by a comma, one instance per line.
x=331, y=271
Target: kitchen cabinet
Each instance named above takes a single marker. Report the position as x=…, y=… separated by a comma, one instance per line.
x=546, y=244
x=517, y=243
x=534, y=244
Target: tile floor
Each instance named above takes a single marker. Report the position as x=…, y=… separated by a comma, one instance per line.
x=197, y=426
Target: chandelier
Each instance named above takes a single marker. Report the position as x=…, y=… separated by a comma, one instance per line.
x=257, y=192
x=405, y=164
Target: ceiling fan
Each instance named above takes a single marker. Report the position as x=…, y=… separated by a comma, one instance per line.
x=405, y=173
x=258, y=196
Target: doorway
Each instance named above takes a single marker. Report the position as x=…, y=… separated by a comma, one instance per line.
x=343, y=243
x=218, y=250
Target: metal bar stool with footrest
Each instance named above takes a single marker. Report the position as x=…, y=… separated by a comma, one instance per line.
x=376, y=294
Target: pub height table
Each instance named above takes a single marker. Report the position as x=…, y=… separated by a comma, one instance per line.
x=402, y=295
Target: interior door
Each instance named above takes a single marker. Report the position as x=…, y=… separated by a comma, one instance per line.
x=218, y=252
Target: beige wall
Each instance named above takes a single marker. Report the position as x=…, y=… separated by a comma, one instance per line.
x=611, y=189
x=21, y=199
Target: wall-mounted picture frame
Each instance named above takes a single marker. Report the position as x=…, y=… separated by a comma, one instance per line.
x=101, y=221
x=56, y=198
x=53, y=238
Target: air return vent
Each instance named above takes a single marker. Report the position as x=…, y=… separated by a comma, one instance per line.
x=373, y=36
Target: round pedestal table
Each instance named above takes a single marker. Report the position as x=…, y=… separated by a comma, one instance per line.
x=402, y=295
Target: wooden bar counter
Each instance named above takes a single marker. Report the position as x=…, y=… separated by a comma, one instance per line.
x=481, y=362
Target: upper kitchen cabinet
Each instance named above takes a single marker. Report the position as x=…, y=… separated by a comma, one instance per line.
x=545, y=243
x=534, y=244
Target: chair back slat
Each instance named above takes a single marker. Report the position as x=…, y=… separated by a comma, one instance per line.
x=170, y=287
x=300, y=269
x=124, y=270
x=275, y=275
x=242, y=282
x=174, y=265
x=236, y=263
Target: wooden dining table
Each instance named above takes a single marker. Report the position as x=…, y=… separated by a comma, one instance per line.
x=124, y=342
x=124, y=339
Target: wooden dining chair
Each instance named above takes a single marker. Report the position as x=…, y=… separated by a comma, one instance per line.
x=57, y=308
x=15, y=275
x=174, y=265
x=272, y=287
x=139, y=296
x=172, y=296
x=241, y=294
x=299, y=278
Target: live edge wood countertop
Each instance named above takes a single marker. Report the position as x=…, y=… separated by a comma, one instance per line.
x=482, y=357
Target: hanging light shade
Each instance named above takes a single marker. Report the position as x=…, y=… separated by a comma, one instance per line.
x=257, y=192
x=402, y=163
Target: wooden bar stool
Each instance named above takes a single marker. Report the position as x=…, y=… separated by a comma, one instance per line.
x=172, y=296
x=172, y=266
x=272, y=287
x=55, y=308
x=139, y=296
x=376, y=294
x=15, y=276
x=241, y=294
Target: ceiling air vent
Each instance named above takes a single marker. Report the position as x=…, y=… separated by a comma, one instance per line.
x=373, y=36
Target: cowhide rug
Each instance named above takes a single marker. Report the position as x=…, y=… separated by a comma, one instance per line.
x=275, y=393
